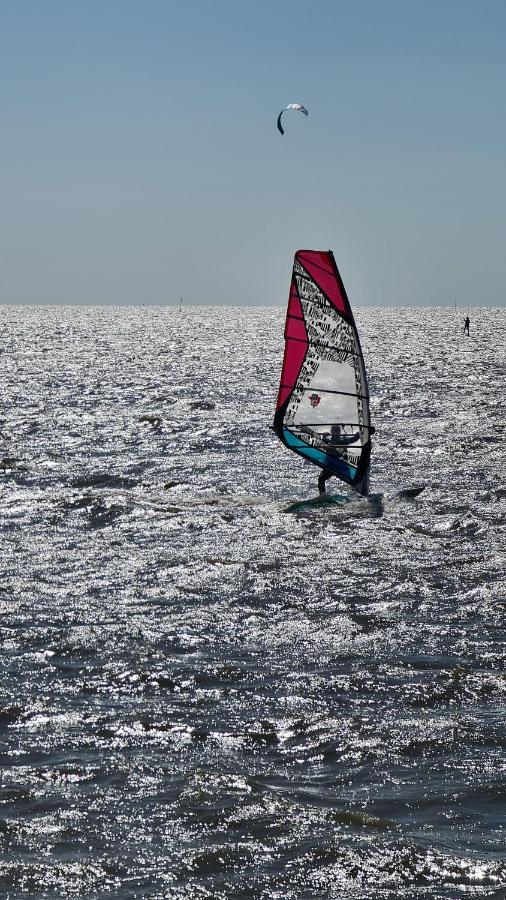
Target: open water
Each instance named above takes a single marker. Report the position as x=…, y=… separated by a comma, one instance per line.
x=204, y=695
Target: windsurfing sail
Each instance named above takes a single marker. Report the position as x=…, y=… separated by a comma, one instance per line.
x=322, y=412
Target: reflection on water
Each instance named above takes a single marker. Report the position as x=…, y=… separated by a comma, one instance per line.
x=207, y=696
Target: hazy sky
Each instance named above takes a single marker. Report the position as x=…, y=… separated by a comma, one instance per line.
x=140, y=160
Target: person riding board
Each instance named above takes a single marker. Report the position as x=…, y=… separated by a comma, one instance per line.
x=337, y=438
x=466, y=326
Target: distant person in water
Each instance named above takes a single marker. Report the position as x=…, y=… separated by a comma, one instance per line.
x=466, y=325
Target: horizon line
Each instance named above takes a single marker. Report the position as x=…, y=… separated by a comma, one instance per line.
x=282, y=306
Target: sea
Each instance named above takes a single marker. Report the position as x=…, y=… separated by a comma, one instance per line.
x=207, y=694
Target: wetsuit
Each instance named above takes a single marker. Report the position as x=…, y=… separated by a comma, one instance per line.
x=327, y=473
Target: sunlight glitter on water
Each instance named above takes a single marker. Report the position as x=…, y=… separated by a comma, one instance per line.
x=207, y=695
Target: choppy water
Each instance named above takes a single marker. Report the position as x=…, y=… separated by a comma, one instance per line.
x=207, y=696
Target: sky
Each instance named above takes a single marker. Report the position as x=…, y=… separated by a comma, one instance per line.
x=140, y=160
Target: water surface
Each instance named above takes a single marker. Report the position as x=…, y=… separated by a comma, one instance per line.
x=207, y=696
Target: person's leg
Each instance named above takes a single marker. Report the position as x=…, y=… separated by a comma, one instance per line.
x=325, y=474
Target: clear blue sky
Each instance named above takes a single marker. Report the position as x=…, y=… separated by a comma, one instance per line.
x=140, y=160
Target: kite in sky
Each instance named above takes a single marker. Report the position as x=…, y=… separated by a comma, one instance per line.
x=297, y=106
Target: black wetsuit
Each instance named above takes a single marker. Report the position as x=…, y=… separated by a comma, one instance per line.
x=466, y=326
x=326, y=473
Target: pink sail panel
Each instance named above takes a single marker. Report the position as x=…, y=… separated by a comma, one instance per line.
x=295, y=347
x=320, y=266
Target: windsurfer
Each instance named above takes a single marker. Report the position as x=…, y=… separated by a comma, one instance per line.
x=316, y=385
x=336, y=437
x=466, y=325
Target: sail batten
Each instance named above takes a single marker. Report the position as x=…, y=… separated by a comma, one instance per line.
x=322, y=411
